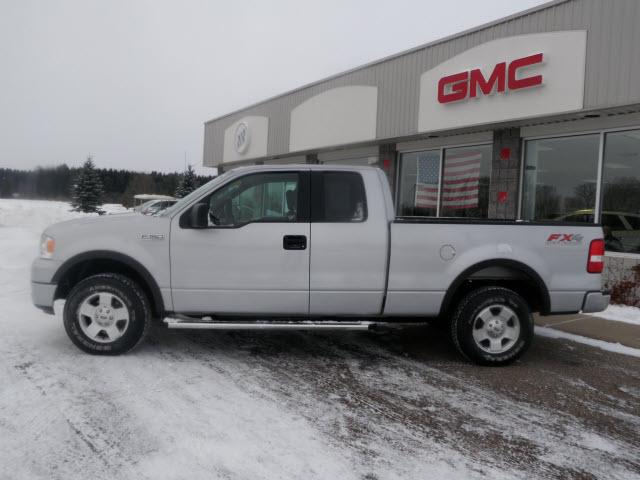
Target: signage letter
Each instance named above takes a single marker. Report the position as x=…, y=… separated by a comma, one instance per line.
x=517, y=83
x=498, y=76
x=458, y=87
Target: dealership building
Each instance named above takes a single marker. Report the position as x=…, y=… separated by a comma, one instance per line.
x=534, y=117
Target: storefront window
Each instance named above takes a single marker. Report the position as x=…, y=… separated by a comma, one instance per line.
x=621, y=191
x=419, y=178
x=462, y=189
x=465, y=182
x=560, y=178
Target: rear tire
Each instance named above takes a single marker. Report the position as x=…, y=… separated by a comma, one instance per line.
x=107, y=314
x=492, y=326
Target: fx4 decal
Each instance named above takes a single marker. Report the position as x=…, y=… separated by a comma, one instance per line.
x=565, y=239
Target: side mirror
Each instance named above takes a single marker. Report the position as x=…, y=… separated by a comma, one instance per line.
x=200, y=215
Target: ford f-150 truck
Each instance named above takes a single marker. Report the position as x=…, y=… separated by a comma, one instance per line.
x=313, y=246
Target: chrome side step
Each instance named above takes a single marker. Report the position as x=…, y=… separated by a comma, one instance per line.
x=274, y=325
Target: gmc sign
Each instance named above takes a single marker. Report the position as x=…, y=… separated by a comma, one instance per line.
x=459, y=86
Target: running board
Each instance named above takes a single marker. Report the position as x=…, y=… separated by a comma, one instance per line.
x=221, y=325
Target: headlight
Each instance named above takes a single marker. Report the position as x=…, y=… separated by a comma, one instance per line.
x=47, y=246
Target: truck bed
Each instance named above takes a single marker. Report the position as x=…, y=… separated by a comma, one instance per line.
x=430, y=256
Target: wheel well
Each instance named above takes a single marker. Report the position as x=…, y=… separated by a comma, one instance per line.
x=512, y=275
x=92, y=266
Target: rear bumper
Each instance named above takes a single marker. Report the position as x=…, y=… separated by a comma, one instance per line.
x=595, y=302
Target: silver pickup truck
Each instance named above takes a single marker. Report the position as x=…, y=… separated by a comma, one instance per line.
x=311, y=246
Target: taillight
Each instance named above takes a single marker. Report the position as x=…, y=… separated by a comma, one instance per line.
x=595, y=263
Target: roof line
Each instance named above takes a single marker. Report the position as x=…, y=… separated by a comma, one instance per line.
x=543, y=6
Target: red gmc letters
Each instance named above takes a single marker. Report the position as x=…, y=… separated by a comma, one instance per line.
x=466, y=84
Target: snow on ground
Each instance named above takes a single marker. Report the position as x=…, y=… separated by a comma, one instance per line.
x=620, y=313
x=295, y=405
x=593, y=342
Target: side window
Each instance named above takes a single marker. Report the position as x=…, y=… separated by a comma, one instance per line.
x=263, y=197
x=338, y=197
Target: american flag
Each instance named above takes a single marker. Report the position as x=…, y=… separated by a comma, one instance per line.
x=461, y=180
x=427, y=181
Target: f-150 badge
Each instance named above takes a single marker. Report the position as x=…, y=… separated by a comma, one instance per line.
x=152, y=236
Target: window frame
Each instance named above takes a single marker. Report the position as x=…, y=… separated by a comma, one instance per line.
x=303, y=201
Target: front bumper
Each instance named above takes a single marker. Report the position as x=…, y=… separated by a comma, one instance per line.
x=42, y=295
x=595, y=302
x=42, y=288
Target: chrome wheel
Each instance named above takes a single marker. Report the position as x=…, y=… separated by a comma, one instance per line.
x=103, y=317
x=496, y=328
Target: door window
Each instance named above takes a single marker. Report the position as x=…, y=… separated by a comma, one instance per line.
x=264, y=197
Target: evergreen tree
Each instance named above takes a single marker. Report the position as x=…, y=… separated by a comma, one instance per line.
x=138, y=183
x=87, y=192
x=55, y=183
x=187, y=183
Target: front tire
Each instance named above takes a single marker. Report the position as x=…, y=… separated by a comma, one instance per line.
x=107, y=314
x=492, y=326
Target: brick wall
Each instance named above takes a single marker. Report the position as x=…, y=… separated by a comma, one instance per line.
x=388, y=162
x=618, y=269
x=505, y=174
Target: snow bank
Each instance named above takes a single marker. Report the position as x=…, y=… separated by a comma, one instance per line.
x=608, y=346
x=620, y=313
x=34, y=215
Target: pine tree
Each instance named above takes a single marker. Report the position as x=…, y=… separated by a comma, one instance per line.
x=187, y=183
x=87, y=191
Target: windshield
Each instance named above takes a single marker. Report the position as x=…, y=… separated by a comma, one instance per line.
x=193, y=195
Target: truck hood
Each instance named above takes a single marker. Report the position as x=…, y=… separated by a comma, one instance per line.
x=126, y=222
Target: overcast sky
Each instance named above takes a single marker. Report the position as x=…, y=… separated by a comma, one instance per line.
x=132, y=81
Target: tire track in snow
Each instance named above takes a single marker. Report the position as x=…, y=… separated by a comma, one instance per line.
x=552, y=441
x=103, y=438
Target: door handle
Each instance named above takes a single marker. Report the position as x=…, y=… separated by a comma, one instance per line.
x=294, y=242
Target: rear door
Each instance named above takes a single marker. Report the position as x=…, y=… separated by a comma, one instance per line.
x=254, y=257
x=349, y=238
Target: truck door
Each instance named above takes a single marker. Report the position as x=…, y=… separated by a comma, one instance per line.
x=254, y=256
x=349, y=239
